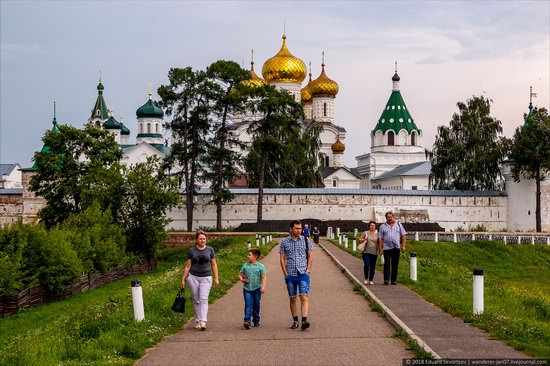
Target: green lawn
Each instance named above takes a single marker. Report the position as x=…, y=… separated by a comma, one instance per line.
x=97, y=327
x=517, y=287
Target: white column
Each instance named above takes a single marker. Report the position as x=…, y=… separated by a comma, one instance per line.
x=478, y=291
x=416, y=236
x=436, y=237
x=354, y=245
x=454, y=237
x=413, y=266
x=137, y=300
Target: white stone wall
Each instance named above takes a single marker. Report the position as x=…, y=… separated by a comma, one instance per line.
x=449, y=212
x=13, y=180
x=319, y=109
x=150, y=126
x=293, y=88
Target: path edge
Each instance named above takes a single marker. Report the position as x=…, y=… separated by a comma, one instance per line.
x=388, y=314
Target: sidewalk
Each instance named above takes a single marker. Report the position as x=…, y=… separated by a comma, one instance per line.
x=447, y=336
x=344, y=331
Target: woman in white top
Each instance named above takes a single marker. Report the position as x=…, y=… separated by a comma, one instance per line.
x=370, y=252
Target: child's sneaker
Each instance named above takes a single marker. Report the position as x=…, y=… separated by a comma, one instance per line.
x=256, y=324
x=305, y=325
x=246, y=325
x=203, y=326
x=294, y=325
x=371, y=283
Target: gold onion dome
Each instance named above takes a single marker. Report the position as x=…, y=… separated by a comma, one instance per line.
x=307, y=97
x=323, y=86
x=255, y=81
x=284, y=67
x=338, y=147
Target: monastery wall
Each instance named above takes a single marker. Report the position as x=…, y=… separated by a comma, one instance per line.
x=11, y=208
x=413, y=206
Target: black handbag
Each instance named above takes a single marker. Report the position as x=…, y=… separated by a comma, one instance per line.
x=179, y=303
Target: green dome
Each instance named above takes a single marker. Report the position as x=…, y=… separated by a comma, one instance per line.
x=112, y=124
x=149, y=110
x=124, y=130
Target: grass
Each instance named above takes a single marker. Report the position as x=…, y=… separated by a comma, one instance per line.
x=517, y=287
x=97, y=327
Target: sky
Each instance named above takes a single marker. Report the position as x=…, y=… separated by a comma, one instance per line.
x=447, y=51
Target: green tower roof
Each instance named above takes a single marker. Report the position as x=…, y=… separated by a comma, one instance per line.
x=396, y=116
x=112, y=124
x=100, y=109
x=45, y=148
x=149, y=110
x=124, y=130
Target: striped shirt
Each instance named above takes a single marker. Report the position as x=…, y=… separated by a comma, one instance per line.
x=295, y=253
x=391, y=236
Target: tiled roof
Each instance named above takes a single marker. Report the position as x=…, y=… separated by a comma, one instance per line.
x=420, y=168
x=11, y=191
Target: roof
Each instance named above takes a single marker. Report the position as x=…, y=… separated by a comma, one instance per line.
x=163, y=149
x=362, y=191
x=329, y=170
x=100, y=107
x=6, y=169
x=11, y=191
x=149, y=110
x=112, y=124
x=420, y=168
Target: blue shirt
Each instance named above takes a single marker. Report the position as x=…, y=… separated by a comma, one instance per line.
x=391, y=236
x=295, y=253
x=306, y=231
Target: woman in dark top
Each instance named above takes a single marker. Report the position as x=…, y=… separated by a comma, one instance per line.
x=201, y=263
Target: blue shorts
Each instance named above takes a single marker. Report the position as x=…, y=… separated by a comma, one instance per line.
x=297, y=285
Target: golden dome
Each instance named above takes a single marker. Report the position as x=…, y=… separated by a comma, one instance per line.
x=338, y=147
x=306, y=92
x=284, y=67
x=255, y=81
x=323, y=86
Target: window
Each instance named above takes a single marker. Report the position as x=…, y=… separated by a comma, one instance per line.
x=325, y=109
x=98, y=112
x=391, y=138
x=148, y=128
x=413, y=138
x=334, y=183
x=157, y=128
x=326, y=161
x=414, y=188
x=141, y=128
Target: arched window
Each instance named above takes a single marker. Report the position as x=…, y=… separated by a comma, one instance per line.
x=326, y=160
x=391, y=138
x=157, y=128
x=334, y=183
x=413, y=138
x=148, y=128
x=324, y=109
x=141, y=128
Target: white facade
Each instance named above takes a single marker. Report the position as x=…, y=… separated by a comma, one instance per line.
x=148, y=127
x=403, y=182
x=341, y=178
x=293, y=88
x=11, y=176
x=139, y=153
x=378, y=162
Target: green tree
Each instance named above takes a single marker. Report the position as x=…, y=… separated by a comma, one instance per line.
x=185, y=99
x=77, y=168
x=278, y=124
x=530, y=156
x=466, y=154
x=227, y=98
x=148, y=196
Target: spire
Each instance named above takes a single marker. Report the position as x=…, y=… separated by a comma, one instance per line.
x=531, y=96
x=309, y=70
x=395, y=79
x=150, y=91
x=100, y=110
x=252, y=59
x=54, y=120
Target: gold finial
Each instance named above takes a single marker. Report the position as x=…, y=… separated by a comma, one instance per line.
x=323, y=57
x=396, y=67
x=252, y=58
x=150, y=90
x=100, y=76
x=284, y=29
x=309, y=70
x=54, y=120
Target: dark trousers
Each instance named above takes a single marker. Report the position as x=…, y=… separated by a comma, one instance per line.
x=252, y=301
x=391, y=258
x=369, y=261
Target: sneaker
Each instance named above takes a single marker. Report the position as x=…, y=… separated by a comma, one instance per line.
x=203, y=326
x=394, y=283
x=386, y=283
x=198, y=326
x=246, y=325
x=366, y=282
x=294, y=325
x=256, y=324
x=305, y=325
x=371, y=283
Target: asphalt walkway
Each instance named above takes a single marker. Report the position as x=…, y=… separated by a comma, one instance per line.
x=344, y=331
x=447, y=336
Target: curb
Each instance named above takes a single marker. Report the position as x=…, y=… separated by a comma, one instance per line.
x=388, y=314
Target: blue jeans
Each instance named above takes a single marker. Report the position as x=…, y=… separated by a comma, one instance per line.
x=369, y=261
x=297, y=285
x=252, y=305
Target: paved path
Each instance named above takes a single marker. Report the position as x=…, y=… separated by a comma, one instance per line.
x=446, y=335
x=344, y=330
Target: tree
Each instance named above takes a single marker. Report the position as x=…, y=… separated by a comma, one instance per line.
x=467, y=153
x=530, y=155
x=76, y=168
x=223, y=158
x=185, y=99
x=278, y=123
x=148, y=196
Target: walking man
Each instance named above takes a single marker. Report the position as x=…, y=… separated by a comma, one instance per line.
x=391, y=238
x=296, y=258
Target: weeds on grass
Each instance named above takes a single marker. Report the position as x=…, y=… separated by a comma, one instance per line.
x=375, y=307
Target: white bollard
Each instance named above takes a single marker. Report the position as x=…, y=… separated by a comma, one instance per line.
x=354, y=245
x=346, y=241
x=337, y=231
x=478, y=291
x=490, y=237
x=436, y=237
x=454, y=238
x=332, y=235
x=329, y=232
x=416, y=236
x=248, y=245
x=354, y=232
x=340, y=240
x=413, y=266
x=533, y=240
x=137, y=300
x=504, y=239
x=263, y=241
x=257, y=243
x=519, y=239
x=473, y=237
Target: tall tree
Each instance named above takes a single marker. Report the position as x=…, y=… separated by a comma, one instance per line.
x=76, y=168
x=185, y=99
x=227, y=97
x=530, y=156
x=467, y=153
x=278, y=123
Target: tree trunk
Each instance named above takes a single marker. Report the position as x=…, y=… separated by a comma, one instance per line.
x=188, y=186
x=261, y=186
x=223, y=137
x=537, y=209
